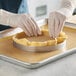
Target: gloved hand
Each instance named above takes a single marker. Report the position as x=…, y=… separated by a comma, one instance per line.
x=55, y=23
x=56, y=19
x=24, y=21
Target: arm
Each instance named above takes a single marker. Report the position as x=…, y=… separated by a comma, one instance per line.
x=57, y=18
x=24, y=21
x=3, y=17
x=67, y=7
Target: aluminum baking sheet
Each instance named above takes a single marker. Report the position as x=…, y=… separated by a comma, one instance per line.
x=22, y=55
x=36, y=65
x=61, y=66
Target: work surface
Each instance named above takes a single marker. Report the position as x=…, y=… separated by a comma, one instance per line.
x=7, y=48
x=63, y=67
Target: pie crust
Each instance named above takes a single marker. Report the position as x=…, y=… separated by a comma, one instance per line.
x=42, y=40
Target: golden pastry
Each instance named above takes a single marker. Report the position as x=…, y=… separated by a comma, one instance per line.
x=51, y=42
x=43, y=40
x=38, y=43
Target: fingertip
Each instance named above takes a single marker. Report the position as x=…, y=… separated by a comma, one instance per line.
x=39, y=33
x=32, y=34
x=36, y=35
x=27, y=34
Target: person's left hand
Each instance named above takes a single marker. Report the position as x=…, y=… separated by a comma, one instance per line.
x=55, y=23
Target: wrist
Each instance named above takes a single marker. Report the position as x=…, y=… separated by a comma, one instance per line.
x=66, y=12
x=5, y=17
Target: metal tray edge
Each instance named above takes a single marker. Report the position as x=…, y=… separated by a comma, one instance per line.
x=39, y=64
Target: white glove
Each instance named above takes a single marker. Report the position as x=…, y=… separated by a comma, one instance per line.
x=55, y=23
x=56, y=19
x=24, y=21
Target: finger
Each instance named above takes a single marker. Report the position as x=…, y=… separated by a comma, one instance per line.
x=37, y=28
x=57, y=23
x=60, y=27
x=26, y=30
x=51, y=25
x=27, y=26
x=54, y=29
x=62, y=19
x=33, y=26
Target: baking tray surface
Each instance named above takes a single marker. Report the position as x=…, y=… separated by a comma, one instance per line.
x=20, y=64
x=33, y=60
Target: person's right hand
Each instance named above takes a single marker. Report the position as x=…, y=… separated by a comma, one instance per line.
x=24, y=21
